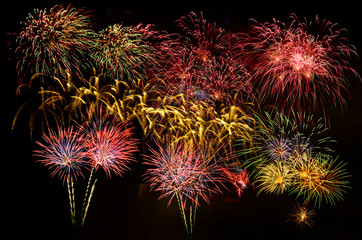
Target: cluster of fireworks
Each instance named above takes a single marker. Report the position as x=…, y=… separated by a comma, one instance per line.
x=201, y=97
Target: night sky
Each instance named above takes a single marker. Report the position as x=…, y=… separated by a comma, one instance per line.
x=36, y=205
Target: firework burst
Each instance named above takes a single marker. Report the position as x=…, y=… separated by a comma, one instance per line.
x=48, y=40
x=302, y=216
x=182, y=172
x=239, y=177
x=123, y=53
x=110, y=143
x=64, y=153
x=274, y=178
x=297, y=67
x=279, y=137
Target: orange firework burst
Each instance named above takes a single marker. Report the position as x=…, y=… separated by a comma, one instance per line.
x=302, y=216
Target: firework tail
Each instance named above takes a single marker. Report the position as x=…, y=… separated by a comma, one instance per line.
x=189, y=226
x=70, y=184
x=88, y=196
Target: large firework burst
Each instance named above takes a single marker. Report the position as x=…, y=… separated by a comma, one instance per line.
x=58, y=38
x=301, y=65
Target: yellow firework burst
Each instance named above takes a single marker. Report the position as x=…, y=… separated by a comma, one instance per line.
x=274, y=178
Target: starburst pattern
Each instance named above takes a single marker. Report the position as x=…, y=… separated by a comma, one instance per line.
x=63, y=152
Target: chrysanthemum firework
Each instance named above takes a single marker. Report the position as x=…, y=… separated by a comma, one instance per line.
x=124, y=53
x=183, y=172
x=58, y=38
x=301, y=65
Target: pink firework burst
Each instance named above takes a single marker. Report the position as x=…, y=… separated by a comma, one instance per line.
x=63, y=152
x=300, y=65
x=110, y=144
x=182, y=172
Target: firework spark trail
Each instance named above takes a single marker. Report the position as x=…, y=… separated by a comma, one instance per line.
x=58, y=38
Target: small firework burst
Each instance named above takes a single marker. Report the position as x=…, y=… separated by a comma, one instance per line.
x=123, y=52
x=274, y=178
x=303, y=216
x=319, y=178
x=239, y=178
x=49, y=40
x=278, y=148
x=64, y=152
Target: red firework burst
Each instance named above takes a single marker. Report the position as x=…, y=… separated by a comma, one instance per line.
x=300, y=65
x=110, y=144
x=239, y=178
x=182, y=172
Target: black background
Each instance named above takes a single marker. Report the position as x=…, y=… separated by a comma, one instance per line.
x=36, y=205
